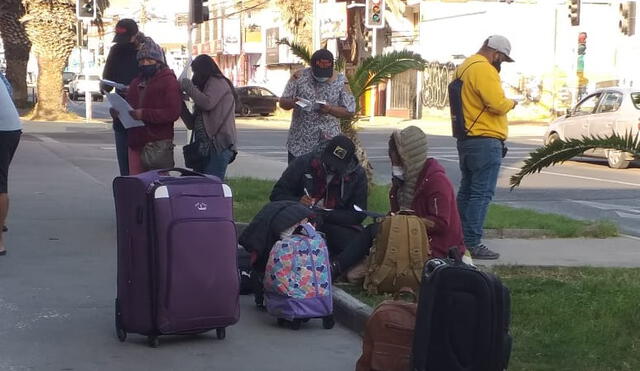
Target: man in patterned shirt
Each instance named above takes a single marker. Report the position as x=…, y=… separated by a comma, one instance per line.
x=319, y=97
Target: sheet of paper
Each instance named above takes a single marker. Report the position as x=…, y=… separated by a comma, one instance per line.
x=123, y=108
x=114, y=84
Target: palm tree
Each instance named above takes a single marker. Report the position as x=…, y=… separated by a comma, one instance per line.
x=51, y=26
x=560, y=151
x=371, y=72
x=16, y=48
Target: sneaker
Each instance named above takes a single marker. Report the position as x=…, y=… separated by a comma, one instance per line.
x=481, y=252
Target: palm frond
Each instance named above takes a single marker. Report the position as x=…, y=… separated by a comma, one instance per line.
x=340, y=64
x=375, y=70
x=298, y=49
x=561, y=151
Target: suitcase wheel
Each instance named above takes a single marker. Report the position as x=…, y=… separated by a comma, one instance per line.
x=296, y=324
x=328, y=322
x=122, y=334
x=153, y=341
x=221, y=333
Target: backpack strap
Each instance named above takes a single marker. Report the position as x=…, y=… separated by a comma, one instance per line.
x=415, y=247
x=466, y=131
x=379, y=273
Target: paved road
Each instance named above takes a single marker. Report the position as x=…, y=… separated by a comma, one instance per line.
x=585, y=188
x=58, y=280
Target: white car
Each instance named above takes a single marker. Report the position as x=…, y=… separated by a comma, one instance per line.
x=83, y=83
x=607, y=111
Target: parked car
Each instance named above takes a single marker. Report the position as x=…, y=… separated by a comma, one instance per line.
x=81, y=83
x=255, y=99
x=67, y=77
x=607, y=111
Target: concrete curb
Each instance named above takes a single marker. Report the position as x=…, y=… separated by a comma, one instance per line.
x=349, y=311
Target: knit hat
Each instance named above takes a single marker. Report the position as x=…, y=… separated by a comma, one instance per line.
x=322, y=63
x=411, y=143
x=125, y=30
x=150, y=50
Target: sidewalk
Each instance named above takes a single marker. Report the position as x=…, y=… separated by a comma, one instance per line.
x=611, y=252
x=432, y=126
x=58, y=287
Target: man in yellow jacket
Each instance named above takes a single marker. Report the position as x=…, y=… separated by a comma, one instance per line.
x=480, y=152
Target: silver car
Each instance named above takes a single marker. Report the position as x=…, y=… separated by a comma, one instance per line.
x=607, y=111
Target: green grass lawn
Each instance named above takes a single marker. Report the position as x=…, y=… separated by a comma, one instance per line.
x=250, y=195
x=584, y=319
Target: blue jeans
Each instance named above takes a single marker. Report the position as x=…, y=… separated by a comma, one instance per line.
x=218, y=162
x=480, y=160
x=122, y=150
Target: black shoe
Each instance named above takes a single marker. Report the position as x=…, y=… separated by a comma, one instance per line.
x=4, y=228
x=481, y=252
x=335, y=271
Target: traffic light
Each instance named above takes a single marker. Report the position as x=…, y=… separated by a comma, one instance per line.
x=82, y=34
x=574, y=12
x=374, y=14
x=582, y=48
x=86, y=9
x=199, y=11
x=627, y=22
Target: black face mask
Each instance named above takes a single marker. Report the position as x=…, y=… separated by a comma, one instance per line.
x=149, y=70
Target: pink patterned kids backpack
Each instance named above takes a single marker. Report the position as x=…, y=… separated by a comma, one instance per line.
x=297, y=280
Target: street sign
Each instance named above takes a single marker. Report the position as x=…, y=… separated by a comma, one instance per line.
x=374, y=14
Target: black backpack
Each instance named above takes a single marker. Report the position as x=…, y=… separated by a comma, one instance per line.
x=458, y=125
x=463, y=319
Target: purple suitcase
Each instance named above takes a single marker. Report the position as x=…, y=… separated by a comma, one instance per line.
x=177, y=246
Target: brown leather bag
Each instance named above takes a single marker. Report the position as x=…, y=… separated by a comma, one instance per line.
x=388, y=335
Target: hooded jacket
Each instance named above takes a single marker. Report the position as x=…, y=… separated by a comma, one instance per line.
x=161, y=103
x=435, y=199
x=265, y=228
x=345, y=191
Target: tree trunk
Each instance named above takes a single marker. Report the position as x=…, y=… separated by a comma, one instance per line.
x=17, y=56
x=348, y=129
x=51, y=105
x=51, y=25
x=16, y=47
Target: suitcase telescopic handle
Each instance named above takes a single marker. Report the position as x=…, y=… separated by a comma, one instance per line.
x=183, y=172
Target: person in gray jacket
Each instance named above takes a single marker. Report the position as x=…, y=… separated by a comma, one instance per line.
x=213, y=120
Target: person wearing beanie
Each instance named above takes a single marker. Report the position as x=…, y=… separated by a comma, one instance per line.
x=331, y=181
x=213, y=120
x=319, y=97
x=121, y=66
x=421, y=184
x=155, y=98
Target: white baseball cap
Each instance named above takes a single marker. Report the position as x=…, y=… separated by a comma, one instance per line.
x=501, y=44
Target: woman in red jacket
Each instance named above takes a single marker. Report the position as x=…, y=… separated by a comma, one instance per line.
x=155, y=98
x=421, y=184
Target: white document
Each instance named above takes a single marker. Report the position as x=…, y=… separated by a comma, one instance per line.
x=123, y=108
x=114, y=84
x=305, y=104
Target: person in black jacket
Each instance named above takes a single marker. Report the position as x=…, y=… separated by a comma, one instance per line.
x=331, y=181
x=122, y=67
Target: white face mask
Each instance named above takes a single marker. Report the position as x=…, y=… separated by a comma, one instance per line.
x=320, y=79
x=397, y=171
